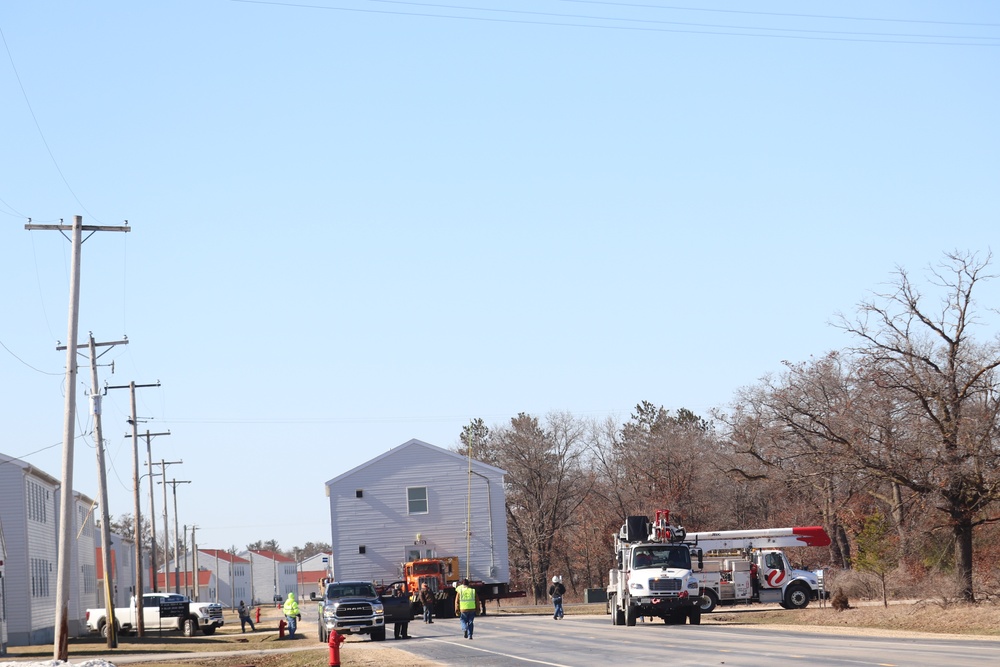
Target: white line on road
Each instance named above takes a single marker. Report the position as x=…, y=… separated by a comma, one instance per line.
x=504, y=655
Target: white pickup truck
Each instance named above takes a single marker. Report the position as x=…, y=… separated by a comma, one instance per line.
x=161, y=611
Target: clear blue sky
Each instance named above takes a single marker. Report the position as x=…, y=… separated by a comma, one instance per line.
x=357, y=222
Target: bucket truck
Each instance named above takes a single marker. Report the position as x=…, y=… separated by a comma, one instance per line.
x=748, y=566
x=653, y=573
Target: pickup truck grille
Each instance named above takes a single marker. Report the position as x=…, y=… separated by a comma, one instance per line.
x=215, y=613
x=665, y=585
x=354, y=610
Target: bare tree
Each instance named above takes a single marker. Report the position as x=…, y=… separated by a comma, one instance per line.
x=944, y=387
x=543, y=484
x=656, y=460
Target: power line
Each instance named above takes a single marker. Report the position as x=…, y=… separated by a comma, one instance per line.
x=903, y=38
x=680, y=23
x=37, y=370
x=782, y=14
x=38, y=127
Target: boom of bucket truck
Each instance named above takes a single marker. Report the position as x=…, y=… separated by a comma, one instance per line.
x=748, y=566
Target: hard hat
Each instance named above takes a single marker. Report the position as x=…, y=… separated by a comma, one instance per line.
x=555, y=580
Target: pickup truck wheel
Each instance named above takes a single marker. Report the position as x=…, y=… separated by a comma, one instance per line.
x=208, y=630
x=378, y=635
x=709, y=601
x=105, y=628
x=189, y=627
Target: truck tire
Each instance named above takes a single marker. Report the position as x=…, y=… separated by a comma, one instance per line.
x=104, y=629
x=709, y=601
x=208, y=630
x=378, y=635
x=694, y=615
x=617, y=614
x=630, y=615
x=189, y=627
x=797, y=596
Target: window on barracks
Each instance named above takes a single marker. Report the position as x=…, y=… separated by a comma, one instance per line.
x=416, y=500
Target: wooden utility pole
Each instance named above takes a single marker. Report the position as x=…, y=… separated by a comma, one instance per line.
x=60, y=647
x=102, y=482
x=166, y=526
x=177, y=581
x=140, y=625
x=152, y=511
x=194, y=566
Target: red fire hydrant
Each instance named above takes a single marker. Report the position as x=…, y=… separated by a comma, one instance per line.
x=281, y=628
x=336, y=639
x=257, y=620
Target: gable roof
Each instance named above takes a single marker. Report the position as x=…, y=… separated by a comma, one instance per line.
x=271, y=555
x=223, y=555
x=440, y=451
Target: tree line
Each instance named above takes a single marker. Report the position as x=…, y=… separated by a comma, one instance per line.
x=898, y=430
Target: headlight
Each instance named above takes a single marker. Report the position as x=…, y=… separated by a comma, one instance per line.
x=378, y=609
x=692, y=583
x=636, y=586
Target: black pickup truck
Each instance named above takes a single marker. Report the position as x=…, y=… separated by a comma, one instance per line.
x=355, y=607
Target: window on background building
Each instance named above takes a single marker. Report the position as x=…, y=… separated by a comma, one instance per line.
x=416, y=500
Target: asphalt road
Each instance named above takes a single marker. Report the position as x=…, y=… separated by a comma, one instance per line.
x=591, y=641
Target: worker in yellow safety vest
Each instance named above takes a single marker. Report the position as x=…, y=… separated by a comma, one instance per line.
x=466, y=604
x=291, y=611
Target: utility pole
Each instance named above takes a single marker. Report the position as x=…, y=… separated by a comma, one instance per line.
x=174, y=483
x=152, y=511
x=194, y=565
x=60, y=646
x=102, y=482
x=166, y=526
x=140, y=626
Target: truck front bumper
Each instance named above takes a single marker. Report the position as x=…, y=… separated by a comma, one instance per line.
x=356, y=625
x=654, y=606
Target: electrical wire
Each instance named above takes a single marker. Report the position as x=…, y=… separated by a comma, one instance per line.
x=902, y=38
x=682, y=23
x=38, y=127
x=780, y=14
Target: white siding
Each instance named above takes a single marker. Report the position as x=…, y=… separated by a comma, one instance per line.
x=232, y=576
x=29, y=505
x=83, y=573
x=270, y=577
x=380, y=521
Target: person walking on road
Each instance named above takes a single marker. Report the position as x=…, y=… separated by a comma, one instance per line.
x=291, y=612
x=466, y=604
x=556, y=592
x=244, y=613
x=427, y=602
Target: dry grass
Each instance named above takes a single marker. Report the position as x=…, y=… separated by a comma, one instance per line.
x=939, y=617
